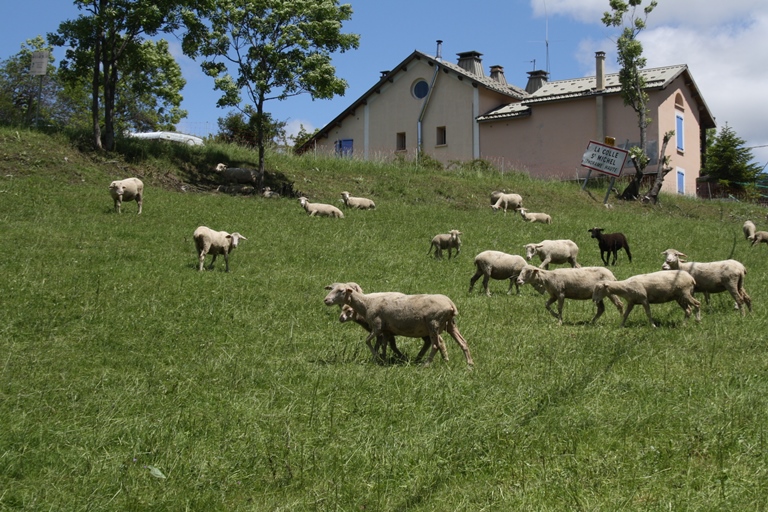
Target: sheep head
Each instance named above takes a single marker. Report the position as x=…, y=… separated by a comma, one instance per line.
x=600, y=291
x=596, y=232
x=234, y=239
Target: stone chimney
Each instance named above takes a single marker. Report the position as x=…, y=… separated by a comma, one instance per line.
x=497, y=73
x=536, y=80
x=471, y=62
x=599, y=71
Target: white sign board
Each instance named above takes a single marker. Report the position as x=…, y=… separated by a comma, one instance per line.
x=603, y=158
x=39, y=63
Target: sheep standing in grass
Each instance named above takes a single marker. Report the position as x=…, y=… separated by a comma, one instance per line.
x=653, y=288
x=505, y=201
x=712, y=277
x=495, y=196
x=320, y=209
x=444, y=241
x=553, y=251
x=361, y=203
x=413, y=316
x=760, y=236
x=749, y=229
x=534, y=217
x=208, y=241
x=129, y=189
x=568, y=283
x=497, y=265
x=610, y=243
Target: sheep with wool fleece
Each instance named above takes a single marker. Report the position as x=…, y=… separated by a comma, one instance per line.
x=505, y=201
x=760, y=236
x=413, y=316
x=129, y=189
x=361, y=203
x=320, y=209
x=544, y=218
x=712, y=277
x=654, y=288
x=553, y=251
x=445, y=241
x=610, y=243
x=208, y=241
x=568, y=283
x=497, y=265
x=749, y=229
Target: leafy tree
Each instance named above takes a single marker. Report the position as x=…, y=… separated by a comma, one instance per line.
x=279, y=49
x=23, y=97
x=235, y=129
x=630, y=57
x=303, y=136
x=728, y=161
x=106, y=42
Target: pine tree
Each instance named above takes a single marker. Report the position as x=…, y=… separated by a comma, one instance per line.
x=728, y=161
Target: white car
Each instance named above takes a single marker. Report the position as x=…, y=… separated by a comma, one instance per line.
x=190, y=140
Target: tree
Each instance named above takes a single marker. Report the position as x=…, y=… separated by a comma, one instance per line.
x=630, y=57
x=106, y=42
x=728, y=161
x=303, y=136
x=280, y=48
x=234, y=129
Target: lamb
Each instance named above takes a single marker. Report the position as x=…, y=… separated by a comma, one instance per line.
x=760, y=236
x=414, y=316
x=653, y=288
x=237, y=175
x=535, y=217
x=610, y=243
x=129, y=189
x=505, y=201
x=568, y=283
x=208, y=241
x=495, y=196
x=320, y=209
x=712, y=277
x=497, y=265
x=269, y=193
x=749, y=229
x=553, y=251
x=444, y=241
x=361, y=203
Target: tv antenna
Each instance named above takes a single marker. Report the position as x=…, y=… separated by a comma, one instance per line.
x=546, y=38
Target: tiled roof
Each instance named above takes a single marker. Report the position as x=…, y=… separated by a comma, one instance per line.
x=488, y=82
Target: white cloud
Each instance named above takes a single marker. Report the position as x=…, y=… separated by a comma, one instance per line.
x=293, y=126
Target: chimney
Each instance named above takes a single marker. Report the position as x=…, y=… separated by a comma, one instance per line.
x=497, y=73
x=384, y=73
x=599, y=71
x=439, y=55
x=536, y=80
x=471, y=62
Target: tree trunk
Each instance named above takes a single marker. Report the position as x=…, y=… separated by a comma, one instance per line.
x=95, y=82
x=632, y=191
x=653, y=194
x=260, y=142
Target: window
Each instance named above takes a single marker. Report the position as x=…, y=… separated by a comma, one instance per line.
x=679, y=133
x=680, y=181
x=420, y=89
x=441, y=139
x=400, y=144
x=344, y=147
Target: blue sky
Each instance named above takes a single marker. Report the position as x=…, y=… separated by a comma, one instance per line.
x=723, y=43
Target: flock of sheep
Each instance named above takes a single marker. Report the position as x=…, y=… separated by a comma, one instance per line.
x=388, y=314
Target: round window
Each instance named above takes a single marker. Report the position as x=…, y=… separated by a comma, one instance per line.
x=420, y=89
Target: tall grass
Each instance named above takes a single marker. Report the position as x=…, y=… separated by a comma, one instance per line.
x=129, y=381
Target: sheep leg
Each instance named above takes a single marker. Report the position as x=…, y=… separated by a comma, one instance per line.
x=201, y=260
x=424, y=348
x=373, y=350
x=647, y=308
x=746, y=298
x=600, y=311
x=118, y=203
x=226, y=261
x=549, y=308
x=474, y=279
x=615, y=256
x=487, y=278
x=437, y=344
x=630, y=306
x=212, y=262
x=453, y=330
x=545, y=263
x=140, y=201
x=513, y=281
x=605, y=256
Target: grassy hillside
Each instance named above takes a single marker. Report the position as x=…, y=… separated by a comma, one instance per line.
x=129, y=381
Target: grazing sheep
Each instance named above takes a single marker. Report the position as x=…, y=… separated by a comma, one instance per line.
x=414, y=316
x=653, y=288
x=712, y=277
x=553, y=251
x=129, y=189
x=208, y=241
x=237, y=175
x=495, y=196
x=269, y=193
x=760, y=236
x=513, y=201
x=749, y=229
x=497, y=265
x=610, y=243
x=568, y=283
x=320, y=209
x=361, y=203
x=444, y=241
x=535, y=217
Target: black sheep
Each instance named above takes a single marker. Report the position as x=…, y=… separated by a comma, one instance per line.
x=610, y=243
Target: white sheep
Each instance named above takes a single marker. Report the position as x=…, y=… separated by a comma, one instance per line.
x=361, y=203
x=712, y=277
x=553, y=251
x=320, y=209
x=495, y=195
x=653, y=288
x=513, y=201
x=208, y=241
x=760, y=236
x=497, y=265
x=237, y=175
x=129, y=189
x=749, y=229
x=568, y=283
x=444, y=241
x=413, y=316
x=269, y=193
x=535, y=217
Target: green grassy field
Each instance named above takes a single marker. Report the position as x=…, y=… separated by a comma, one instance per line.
x=129, y=381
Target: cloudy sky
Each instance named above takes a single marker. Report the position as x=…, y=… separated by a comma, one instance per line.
x=723, y=43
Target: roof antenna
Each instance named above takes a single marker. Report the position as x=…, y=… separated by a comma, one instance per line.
x=546, y=33
x=439, y=55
